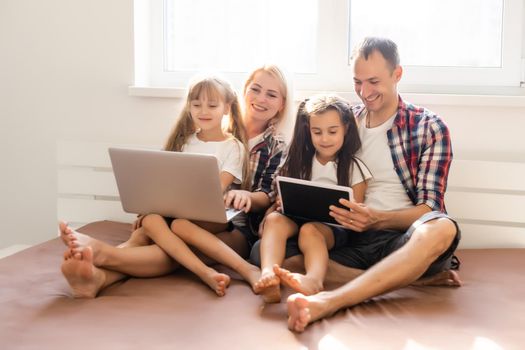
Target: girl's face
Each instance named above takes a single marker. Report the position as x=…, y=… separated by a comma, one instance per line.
x=263, y=98
x=207, y=112
x=328, y=133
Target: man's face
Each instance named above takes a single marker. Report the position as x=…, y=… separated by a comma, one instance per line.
x=375, y=83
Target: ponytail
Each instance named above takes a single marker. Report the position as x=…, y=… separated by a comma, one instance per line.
x=237, y=129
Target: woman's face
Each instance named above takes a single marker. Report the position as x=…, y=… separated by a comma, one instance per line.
x=263, y=98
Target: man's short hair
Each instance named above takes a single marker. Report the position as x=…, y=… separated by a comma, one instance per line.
x=385, y=46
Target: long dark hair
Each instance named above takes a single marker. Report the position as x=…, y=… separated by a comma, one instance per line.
x=298, y=164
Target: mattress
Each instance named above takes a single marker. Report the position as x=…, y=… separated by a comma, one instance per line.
x=177, y=311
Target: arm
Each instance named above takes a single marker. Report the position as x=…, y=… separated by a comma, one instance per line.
x=226, y=180
x=250, y=201
x=361, y=218
x=430, y=169
x=359, y=191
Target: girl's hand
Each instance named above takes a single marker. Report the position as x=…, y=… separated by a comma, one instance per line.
x=358, y=217
x=278, y=205
x=238, y=199
x=138, y=222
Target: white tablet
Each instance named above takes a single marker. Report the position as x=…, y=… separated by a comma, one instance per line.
x=308, y=200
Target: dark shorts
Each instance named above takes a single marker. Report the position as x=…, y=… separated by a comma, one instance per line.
x=341, y=238
x=361, y=250
x=367, y=248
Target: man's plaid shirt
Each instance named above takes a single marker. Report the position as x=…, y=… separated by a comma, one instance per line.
x=421, y=151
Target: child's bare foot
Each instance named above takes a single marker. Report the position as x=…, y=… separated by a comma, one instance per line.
x=84, y=278
x=251, y=274
x=298, y=282
x=303, y=310
x=77, y=241
x=218, y=282
x=447, y=278
x=268, y=286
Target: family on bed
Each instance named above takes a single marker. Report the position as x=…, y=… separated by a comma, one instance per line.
x=394, y=155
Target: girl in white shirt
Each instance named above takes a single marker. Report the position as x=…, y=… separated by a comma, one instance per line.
x=200, y=130
x=323, y=149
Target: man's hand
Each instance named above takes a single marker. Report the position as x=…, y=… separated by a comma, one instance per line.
x=358, y=217
x=238, y=199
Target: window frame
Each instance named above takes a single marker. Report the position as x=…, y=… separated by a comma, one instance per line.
x=331, y=76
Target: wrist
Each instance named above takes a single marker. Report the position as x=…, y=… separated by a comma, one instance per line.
x=382, y=218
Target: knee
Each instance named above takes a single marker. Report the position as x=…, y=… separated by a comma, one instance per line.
x=272, y=221
x=151, y=220
x=309, y=232
x=179, y=226
x=274, y=218
x=436, y=235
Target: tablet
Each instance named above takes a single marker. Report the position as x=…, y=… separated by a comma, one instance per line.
x=308, y=200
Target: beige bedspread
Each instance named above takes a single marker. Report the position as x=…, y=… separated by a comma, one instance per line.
x=179, y=312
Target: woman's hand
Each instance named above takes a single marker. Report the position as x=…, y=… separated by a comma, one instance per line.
x=138, y=222
x=358, y=217
x=238, y=199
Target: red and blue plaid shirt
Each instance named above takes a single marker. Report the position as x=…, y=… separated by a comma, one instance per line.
x=421, y=151
x=266, y=158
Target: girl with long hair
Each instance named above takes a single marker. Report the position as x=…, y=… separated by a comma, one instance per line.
x=323, y=149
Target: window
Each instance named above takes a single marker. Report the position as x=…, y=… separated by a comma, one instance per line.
x=441, y=42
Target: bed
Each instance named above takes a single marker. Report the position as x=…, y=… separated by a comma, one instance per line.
x=177, y=311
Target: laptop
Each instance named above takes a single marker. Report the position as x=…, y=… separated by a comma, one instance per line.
x=309, y=200
x=173, y=184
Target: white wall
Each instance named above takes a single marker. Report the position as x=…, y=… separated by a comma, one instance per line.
x=65, y=66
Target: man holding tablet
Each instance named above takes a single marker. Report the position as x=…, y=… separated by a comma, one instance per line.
x=402, y=232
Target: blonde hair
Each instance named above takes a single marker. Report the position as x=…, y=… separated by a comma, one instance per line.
x=281, y=117
x=213, y=87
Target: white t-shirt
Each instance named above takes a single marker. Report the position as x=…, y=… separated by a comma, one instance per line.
x=229, y=153
x=328, y=173
x=384, y=191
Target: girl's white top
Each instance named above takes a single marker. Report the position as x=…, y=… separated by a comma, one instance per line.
x=229, y=153
x=328, y=173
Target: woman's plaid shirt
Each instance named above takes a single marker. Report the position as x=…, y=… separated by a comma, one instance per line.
x=266, y=158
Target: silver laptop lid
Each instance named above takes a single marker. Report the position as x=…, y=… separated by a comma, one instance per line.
x=173, y=184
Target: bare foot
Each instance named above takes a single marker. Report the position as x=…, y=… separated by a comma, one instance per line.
x=218, y=282
x=447, y=278
x=65, y=232
x=268, y=286
x=84, y=278
x=298, y=282
x=77, y=241
x=303, y=310
x=252, y=274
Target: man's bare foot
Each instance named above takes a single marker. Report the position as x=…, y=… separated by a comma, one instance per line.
x=447, y=278
x=268, y=286
x=298, y=282
x=303, y=310
x=218, y=282
x=84, y=278
x=77, y=241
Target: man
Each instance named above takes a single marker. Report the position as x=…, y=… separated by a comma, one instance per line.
x=401, y=232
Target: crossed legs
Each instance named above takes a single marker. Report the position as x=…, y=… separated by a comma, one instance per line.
x=397, y=270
